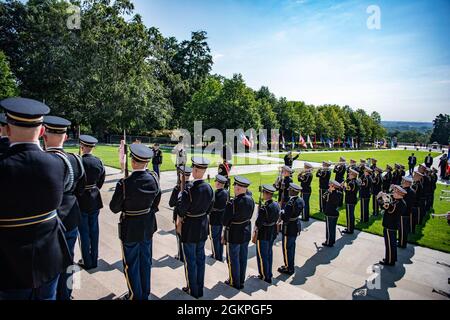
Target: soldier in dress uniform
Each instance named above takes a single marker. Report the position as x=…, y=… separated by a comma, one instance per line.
x=137, y=199
x=195, y=204
x=324, y=175
x=351, y=189
x=69, y=210
x=282, y=185
x=405, y=227
x=340, y=170
x=434, y=180
x=417, y=187
x=173, y=203
x=387, y=179
x=33, y=250
x=353, y=165
x=237, y=232
x=397, y=175
x=216, y=217
x=266, y=233
x=291, y=228
x=157, y=159
x=362, y=166
x=4, y=140
x=305, y=178
x=289, y=159
x=224, y=171
x=373, y=164
x=377, y=184
x=331, y=200
x=364, y=194
x=428, y=188
x=90, y=203
x=391, y=221
x=423, y=196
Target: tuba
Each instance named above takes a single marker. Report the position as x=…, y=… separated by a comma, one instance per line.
x=385, y=199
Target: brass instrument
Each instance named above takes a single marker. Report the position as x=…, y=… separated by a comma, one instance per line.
x=303, y=172
x=385, y=199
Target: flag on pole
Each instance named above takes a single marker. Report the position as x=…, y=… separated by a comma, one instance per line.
x=263, y=140
x=353, y=144
x=310, y=142
x=293, y=141
x=244, y=140
x=275, y=140
x=283, y=142
x=302, y=142
x=252, y=140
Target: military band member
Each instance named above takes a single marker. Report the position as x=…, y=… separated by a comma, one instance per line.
x=423, y=196
x=331, y=199
x=224, y=171
x=33, y=250
x=391, y=220
x=340, y=170
x=373, y=164
x=364, y=194
x=397, y=175
x=405, y=227
x=137, y=198
x=266, y=233
x=387, y=179
x=69, y=210
x=417, y=187
x=237, y=232
x=428, y=188
x=90, y=203
x=173, y=203
x=157, y=159
x=377, y=186
x=362, y=166
x=216, y=217
x=291, y=228
x=289, y=159
x=324, y=175
x=4, y=140
x=434, y=180
x=353, y=165
x=195, y=204
x=305, y=178
x=282, y=185
x=351, y=199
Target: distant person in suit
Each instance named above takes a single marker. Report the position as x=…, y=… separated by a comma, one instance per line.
x=429, y=161
x=412, y=161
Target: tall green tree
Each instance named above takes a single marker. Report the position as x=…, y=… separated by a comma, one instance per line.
x=8, y=87
x=441, y=131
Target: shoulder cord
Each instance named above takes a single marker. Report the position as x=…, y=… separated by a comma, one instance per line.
x=68, y=179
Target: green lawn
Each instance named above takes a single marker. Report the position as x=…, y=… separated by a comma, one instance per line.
x=435, y=234
x=383, y=157
x=110, y=157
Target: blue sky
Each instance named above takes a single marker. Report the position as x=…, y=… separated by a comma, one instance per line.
x=322, y=51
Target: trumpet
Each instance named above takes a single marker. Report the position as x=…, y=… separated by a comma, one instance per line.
x=385, y=199
x=303, y=172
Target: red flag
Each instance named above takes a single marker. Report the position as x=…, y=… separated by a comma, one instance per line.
x=302, y=142
x=252, y=140
x=244, y=140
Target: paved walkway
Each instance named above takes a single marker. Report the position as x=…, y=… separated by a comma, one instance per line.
x=322, y=273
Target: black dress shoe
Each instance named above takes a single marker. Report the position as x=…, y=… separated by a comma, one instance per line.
x=347, y=232
x=384, y=263
x=327, y=245
x=83, y=266
x=186, y=289
x=282, y=269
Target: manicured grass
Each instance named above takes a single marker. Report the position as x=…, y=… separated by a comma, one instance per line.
x=384, y=157
x=435, y=234
x=110, y=157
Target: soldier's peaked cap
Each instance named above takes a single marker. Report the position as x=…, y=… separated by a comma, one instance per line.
x=221, y=179
x=56, y=125
x=400, y=190
x=141, y=153
x=407, y=179
x=88, y=141
x=308, y=165
x=287, y=169
x=353, y=171
x=268, y=188
x=295, y=187
x=242, y=181
x=186, y=170
x=200, y=162
x=23, y=112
